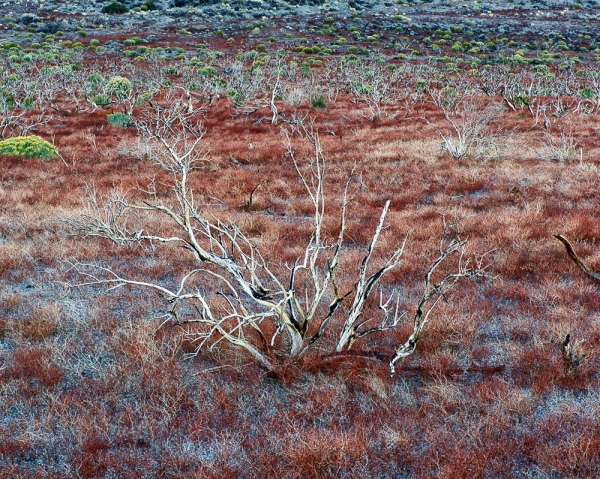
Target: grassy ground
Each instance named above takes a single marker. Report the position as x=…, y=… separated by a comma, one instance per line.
x=91, y=386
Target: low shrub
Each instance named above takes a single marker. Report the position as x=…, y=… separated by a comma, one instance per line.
x=7, y=100
x=318, y=102
x=118, y=119
x=28, y=147
x=101, y=99
x=118, y=86
x=115, y=7
x=207, y=71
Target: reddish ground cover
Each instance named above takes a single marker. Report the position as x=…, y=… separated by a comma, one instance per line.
x=91, y=386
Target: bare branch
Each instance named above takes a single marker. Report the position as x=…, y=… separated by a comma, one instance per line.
x=434, y=291
x=580, y=264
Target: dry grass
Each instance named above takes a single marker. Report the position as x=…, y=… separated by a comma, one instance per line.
x=91, y=387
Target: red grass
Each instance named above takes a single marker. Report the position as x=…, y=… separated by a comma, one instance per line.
x=90, y=386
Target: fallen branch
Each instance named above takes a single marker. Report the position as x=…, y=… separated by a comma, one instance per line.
x=582, y=266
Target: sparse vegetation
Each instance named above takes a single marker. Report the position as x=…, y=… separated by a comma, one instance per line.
x=246, y=339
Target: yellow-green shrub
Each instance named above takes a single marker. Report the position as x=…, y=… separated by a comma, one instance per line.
x=28, y=147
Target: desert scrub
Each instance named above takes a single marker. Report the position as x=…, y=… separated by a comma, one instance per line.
x=101, y=99
x=115, y=7
x=118, y=119
x=118, y=86
x=318, y=102
x=7, y=100
x=28, y=147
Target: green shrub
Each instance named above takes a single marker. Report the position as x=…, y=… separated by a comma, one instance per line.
x=207, y=71
x=118, y=119
x=235, y=96
x=305, y=69
x=115, y=7
x=7, y=100
x=318, y=102
x=118, y=86
x=28, y=147
x=27, y=103
x=143, y=98
x=95, y=79
x=101, y=99
x=587, y=93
